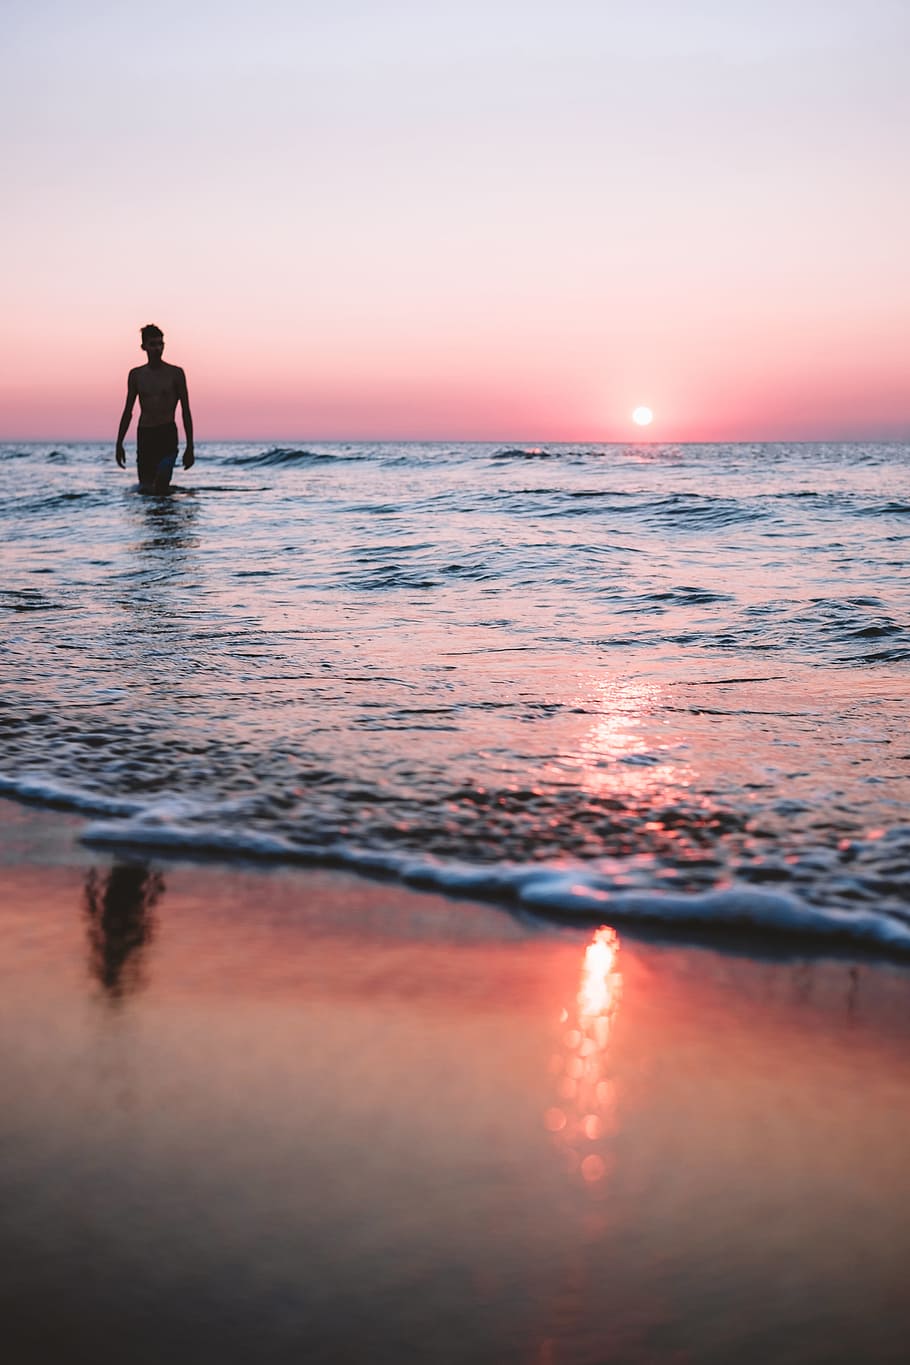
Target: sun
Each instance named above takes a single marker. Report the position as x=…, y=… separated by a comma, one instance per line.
x=643, y=417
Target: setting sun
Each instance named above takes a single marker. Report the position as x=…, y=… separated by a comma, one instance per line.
x=643, y=417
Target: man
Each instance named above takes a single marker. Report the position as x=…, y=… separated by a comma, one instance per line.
x=159, y=388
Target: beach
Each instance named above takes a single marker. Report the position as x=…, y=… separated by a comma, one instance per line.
x=456, y=905
x=455, y=684
x=276, y=1114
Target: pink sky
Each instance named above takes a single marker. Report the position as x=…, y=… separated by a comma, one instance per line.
x=489, y=221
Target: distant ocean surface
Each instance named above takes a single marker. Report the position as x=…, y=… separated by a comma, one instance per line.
x=646, y=682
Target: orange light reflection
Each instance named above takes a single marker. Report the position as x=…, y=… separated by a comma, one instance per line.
x=585, y=1118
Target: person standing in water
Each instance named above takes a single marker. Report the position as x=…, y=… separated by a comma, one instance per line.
x=159, y=388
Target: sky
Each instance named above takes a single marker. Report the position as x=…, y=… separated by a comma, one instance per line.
x=482, y=220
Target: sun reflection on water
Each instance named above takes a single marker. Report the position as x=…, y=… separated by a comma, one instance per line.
x=623, y=751
x=584, y=1117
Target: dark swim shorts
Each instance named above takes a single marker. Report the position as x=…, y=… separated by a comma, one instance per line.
x=156, y=453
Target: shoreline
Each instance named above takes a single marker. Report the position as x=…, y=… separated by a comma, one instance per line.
x=265, y=1113
x=741, y=918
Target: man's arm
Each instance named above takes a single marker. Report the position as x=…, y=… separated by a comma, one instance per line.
x=131, y=391
x=189, y=459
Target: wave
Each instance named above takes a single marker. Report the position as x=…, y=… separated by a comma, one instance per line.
x=565, y=890
x=899, y=655
x=556, y=891
x=26, y=599
x=48, y=792
x=886, y=509
x=848, y=619
x=523, y=453
x=283, y=455
x=702, y=510
x=51, y=502
x=680, y=596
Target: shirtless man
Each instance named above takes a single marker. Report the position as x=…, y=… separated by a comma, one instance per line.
x=159, y=388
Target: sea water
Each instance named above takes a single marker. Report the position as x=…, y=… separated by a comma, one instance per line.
x=641, y=683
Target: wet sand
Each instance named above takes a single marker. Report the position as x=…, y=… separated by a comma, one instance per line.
x=283, y=1115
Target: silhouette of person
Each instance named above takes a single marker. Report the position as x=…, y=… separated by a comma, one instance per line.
x=118, y=909
x=159, y=388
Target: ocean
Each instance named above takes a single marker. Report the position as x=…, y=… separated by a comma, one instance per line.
x=628, y=684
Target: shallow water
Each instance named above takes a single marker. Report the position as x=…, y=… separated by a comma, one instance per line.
x=671, y=681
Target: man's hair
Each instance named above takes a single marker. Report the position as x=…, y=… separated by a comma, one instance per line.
x=151, y=332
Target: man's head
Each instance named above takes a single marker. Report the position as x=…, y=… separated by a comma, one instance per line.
x=152, y=340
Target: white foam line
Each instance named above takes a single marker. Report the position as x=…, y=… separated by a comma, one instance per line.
x=565, y=891
x=159, y=811
x=569, y=891
x=150, y=833
x=37, y=788
x=737, y=906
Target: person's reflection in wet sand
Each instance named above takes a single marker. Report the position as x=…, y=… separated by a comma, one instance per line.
x=118, y=909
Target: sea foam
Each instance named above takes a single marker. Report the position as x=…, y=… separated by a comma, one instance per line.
x=563, y=891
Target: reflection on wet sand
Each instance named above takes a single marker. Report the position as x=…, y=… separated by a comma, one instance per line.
x=584, y=1117
x=321, y=1121
x=118, y=911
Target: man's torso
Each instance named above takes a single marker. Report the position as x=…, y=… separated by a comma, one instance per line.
x=157, y=388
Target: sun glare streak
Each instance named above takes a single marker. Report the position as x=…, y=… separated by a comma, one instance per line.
x=583, y=1118
x=599, y=981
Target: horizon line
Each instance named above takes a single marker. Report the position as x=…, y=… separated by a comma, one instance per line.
x=479, y=440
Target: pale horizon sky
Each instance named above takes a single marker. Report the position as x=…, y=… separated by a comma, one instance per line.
x=494, y=220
